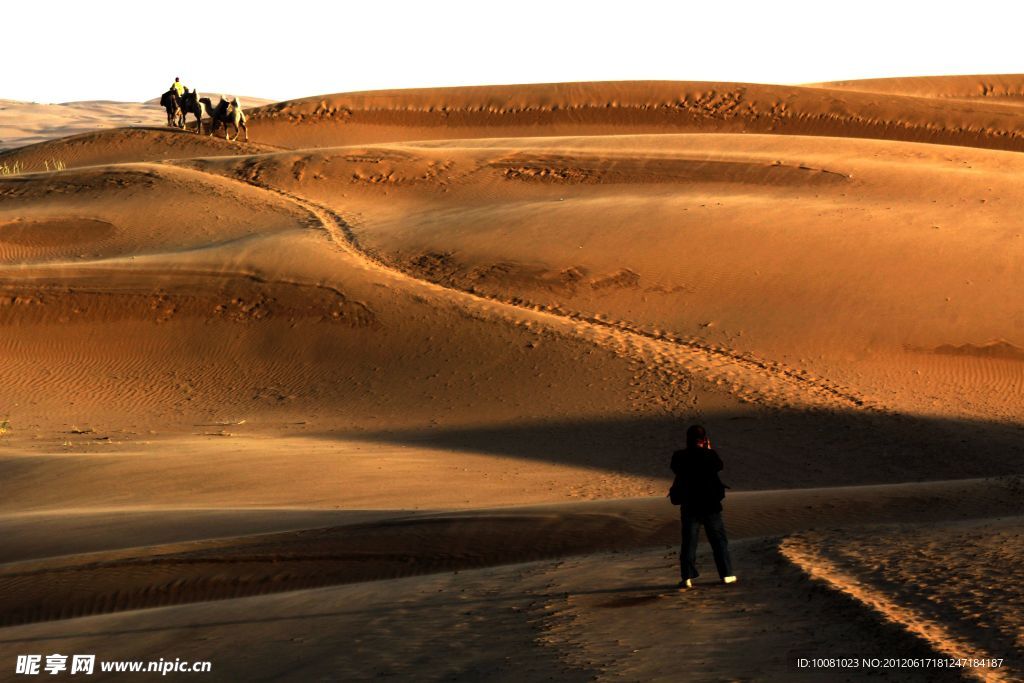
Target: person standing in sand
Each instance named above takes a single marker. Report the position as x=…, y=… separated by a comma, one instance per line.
x=699, y=492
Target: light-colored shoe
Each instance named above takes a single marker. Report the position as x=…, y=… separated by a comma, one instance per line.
x=729, y=579
x=686, y=584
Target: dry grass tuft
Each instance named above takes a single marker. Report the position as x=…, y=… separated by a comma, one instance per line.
x=17, y=168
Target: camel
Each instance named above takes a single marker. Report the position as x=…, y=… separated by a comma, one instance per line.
x=169, y=101
x=192, y=104
x=227, y=112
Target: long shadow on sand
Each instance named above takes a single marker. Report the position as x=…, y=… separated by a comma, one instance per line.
x=793, y=449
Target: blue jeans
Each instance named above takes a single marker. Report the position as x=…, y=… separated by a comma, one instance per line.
x=714, y=527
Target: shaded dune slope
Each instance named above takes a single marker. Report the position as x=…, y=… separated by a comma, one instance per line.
x=604, y=615
x=976, y=611
x=232, y=567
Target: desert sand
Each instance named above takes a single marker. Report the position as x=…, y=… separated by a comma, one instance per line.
x=28, y=123
x=391, y=389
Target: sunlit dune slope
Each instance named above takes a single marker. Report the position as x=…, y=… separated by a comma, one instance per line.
x=569, y=299
x=881, y=265
x=630, y=107
x=153, y=295
x=992, y=88
x=100, y=213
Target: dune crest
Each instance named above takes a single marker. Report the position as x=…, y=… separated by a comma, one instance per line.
x=633, y=107
x=1005, y=88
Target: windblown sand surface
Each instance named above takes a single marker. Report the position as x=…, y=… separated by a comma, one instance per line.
x=403, y=334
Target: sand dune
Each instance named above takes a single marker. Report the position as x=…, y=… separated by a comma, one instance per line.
x=477, y=216
x=632, y=107
x=26, y=123
x=414, y=332
x=1002, y=88
x=912, y=110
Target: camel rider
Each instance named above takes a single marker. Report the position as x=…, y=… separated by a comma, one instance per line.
x=178, y=87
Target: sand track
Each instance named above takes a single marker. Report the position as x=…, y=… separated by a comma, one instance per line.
x=746, y=376
x=614, y=247
x=972, y=610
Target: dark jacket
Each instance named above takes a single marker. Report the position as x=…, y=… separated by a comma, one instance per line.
x=697, y=483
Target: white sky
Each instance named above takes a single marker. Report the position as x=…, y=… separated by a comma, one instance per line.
x=61, y=50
